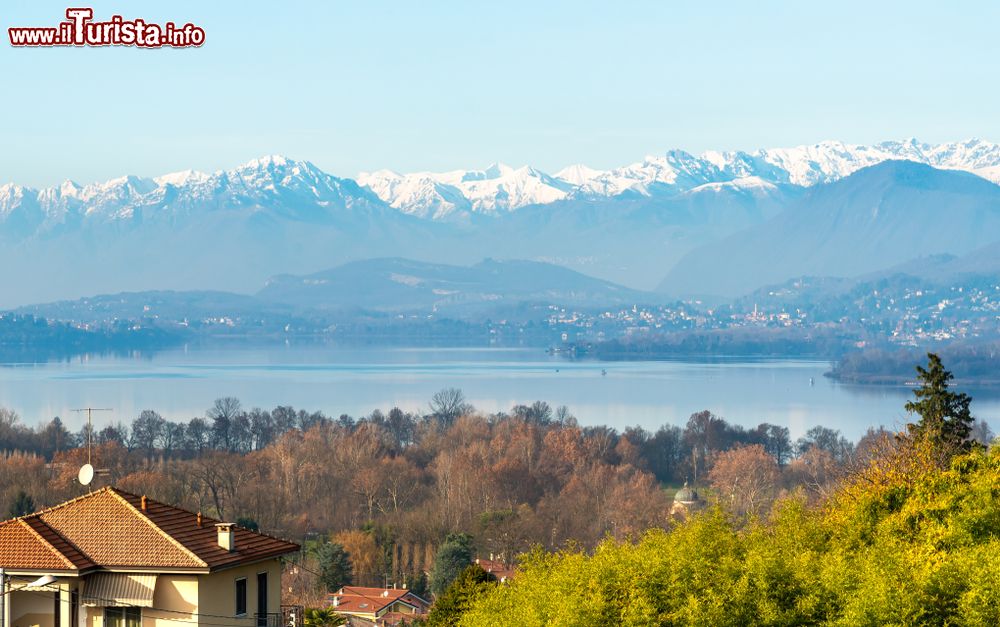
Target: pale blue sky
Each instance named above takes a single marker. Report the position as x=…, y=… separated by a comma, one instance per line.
x=354, y=86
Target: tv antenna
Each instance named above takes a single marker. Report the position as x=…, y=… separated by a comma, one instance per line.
x=86, y=474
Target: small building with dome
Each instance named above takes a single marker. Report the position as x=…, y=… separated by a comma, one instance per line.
x=686, y=501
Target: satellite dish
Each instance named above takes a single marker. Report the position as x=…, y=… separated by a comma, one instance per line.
x=86, y=474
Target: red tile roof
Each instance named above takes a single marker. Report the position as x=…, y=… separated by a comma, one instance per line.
x=21, y=547
x=496, y=568
x=110, y=528
x=203, y=541
x=361, y=600
x=60, y=544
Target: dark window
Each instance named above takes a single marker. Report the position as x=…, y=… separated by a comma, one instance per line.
x=241, y=597
x=122, y=617
x=57, y=613
x=262, y=599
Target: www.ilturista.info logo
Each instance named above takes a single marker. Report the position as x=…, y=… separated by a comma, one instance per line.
x=79, y=29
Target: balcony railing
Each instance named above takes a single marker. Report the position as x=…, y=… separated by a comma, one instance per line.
x=291, y=615
x=273, y=619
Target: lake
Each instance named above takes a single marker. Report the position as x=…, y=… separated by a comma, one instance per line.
x=183, y=383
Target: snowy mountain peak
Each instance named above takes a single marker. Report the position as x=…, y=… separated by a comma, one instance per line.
x=301, y=189
x=493, y=171
x=578, y=174
x=69, y=188
x=267, y=161
x=184, y=177
x=297, y=189
x=500, y=188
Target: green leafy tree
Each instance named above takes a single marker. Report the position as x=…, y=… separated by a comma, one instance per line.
x=470, y=585
x=22, y=505
x=453, y=556
x=945, y=419
x=322, y=617
x=334, y=566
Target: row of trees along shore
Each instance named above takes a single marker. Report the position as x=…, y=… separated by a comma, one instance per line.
x=404, y=498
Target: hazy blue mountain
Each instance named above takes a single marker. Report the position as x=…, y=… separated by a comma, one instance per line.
x=226, y=231
x=983, y=261
x=396, y=284
x=356, y=291
x=498, y=189
x=879, y=217
x=629, y=239
x=232, y=229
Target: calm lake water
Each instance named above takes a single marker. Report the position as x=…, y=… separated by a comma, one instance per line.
x=183, y=383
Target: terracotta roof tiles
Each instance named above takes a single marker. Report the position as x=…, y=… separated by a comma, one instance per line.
x=21, y=547
x=113, y=533
x=361, y=600
x=110, y=528
x=203, y=541
x=59, y=543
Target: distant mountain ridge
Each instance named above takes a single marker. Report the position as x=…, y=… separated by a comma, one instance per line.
x=459, y=194
x=232, y=229
x=295, y=188
x=396, y=284
x=383, y=285
x=873, y=220
x=501, y=188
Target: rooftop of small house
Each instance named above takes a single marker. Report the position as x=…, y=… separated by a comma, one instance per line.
x=497, y=568
x=114, y=529
x=362, y=600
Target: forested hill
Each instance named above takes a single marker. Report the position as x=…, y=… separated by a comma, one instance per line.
x=900, y=544
x=909, y=534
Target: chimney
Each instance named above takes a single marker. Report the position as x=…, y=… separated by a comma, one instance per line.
x=385, y=593
x=226, y=536
x=199, y=519
x=336, y=601
x=143, y=502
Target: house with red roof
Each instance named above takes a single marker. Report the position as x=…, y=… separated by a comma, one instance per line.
x=378, y=606
x=501, y=570
x=115, y=559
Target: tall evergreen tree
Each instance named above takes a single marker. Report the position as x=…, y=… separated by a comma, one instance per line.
x=334, y=566
x=451, y=559
x=22, y=505
x=945, y=418
x=470, y=585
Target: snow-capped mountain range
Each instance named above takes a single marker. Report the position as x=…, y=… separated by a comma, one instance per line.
x=300, y=189
x=632, y=225
x=273, y=183
x=501, y=188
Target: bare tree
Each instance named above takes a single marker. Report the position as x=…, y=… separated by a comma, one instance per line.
x=222, y=414
x=448, y=404
x=147, y=430
x=746, y=479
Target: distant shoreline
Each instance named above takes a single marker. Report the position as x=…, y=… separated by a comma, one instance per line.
x=907, y=381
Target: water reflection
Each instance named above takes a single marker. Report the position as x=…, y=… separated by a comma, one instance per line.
x=183, y=383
